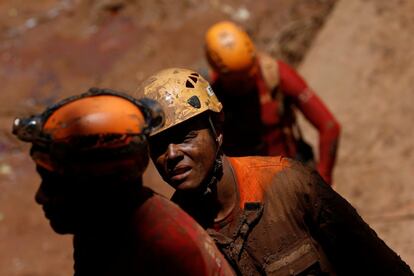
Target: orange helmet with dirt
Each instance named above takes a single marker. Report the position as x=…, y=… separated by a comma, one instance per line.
x=99, y=115
x=98, y=132
x=229, y=48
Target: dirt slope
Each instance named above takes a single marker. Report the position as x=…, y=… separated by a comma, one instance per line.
x=362, y=65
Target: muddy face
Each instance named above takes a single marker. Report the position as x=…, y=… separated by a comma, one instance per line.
x=58, y=202
x=76, y=203
x=184, y=155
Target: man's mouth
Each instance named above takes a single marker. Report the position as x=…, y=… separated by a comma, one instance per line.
x=49, y=214
x=179, y=173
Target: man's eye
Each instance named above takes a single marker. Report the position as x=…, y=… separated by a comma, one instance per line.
x=190, y=136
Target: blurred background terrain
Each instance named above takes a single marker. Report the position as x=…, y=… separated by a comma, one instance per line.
x=357, y=55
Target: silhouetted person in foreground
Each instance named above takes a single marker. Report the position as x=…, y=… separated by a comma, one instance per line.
x=91, y=151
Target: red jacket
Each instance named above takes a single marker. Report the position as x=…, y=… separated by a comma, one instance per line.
x=157, y=238
x=263, y=122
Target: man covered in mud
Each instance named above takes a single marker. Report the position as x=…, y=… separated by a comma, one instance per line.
x=260, y=96
x=268, y=215
x=91, y=151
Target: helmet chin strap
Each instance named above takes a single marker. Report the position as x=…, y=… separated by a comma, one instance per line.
x=217, y=171
x=214, y=176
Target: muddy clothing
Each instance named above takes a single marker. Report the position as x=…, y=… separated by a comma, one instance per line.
x=262, y=122
x=157, y=239
x=289, y=222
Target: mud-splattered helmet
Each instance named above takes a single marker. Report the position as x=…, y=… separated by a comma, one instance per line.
x=182, y=94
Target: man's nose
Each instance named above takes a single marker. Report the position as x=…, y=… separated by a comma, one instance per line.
x=173, y=155
x=173, y=151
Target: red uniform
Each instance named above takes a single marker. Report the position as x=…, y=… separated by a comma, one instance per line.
x=157, y=238
x=263, y=122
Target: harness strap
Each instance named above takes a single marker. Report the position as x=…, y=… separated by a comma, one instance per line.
x=233, y=247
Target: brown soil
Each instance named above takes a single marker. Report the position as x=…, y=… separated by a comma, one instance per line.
x=362, y=65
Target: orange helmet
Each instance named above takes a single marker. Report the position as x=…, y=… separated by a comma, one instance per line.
x=229, y=48
x=98, y=132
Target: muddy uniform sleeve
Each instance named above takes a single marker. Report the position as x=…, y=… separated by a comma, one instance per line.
x=316, y=112
x=350, y=244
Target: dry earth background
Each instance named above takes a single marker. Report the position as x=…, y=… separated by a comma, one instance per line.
x=358, y=55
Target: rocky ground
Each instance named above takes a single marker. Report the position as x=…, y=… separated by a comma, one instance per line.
x=359, y=64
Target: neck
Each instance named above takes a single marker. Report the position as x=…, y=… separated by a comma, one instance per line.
x=111, y=209
x=226, y=191
x=106, y=247
x=215, y=205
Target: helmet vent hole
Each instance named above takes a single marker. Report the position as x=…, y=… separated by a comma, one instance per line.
x=188, y=84
x=194, y=101
x=194, y=79
x=195, y=75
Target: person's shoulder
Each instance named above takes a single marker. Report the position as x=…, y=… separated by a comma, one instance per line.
x=280, y=163
x=279, y=181
x=150, y=202
x=257, y=162
x=299, y=181
x=279, y=172
x=273, y=170
x=275, y=178
x=299, y=168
